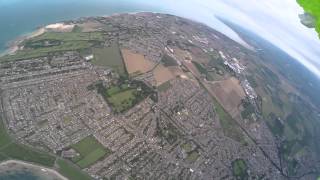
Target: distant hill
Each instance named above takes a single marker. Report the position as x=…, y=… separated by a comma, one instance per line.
x=297, y=125
x=303, y=79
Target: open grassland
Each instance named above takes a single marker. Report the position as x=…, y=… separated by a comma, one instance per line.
x=287, y=116
x=136, y=63
x=109, y=57
x=192, y=156
x=164, y=86
x=239, y=168
x=44, y=51
x=229, y=93
x=228, y=125
x=21, y=152
x=90, y=151
x=70, y=36
x=92, y=157
x=200, y=67
x=124, y=96
x=50, y=42
x=312, y=7
x=123, y=100
x=71, y=172
x=11, y=150
x=162, y=74
x=168, y=61
x=4, y=137
x=2, y=158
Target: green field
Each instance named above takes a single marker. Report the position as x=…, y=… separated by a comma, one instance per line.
x=4, y=137
x=92, y=157
x=70, y=36
x=164, y=86
x=228, y=125
x=90, y=151
x=70, y=41
x=11, y=150
x=20, y=152
x=192, y=156
x=109, y=57
x=187, y=147
x=77, y=29
x=40, y=52
x=200, y=67
x=168, y=61
x=123, y=100
x=71, y=172
x=239, y=169
x=312, y=7
x=123, y=96
x=3, y=157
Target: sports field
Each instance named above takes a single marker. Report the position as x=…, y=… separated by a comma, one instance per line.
x=71, y=172
x=90, y=151
x=109, y=57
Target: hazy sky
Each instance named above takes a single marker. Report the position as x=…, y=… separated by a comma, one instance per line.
x=275, y=20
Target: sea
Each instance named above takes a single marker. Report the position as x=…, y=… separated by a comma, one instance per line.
x=20, y=17
x=19, y=175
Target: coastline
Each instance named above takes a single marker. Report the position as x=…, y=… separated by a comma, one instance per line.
x=15, y=165
x=14, y=45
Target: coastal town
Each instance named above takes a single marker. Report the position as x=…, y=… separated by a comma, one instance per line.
x=139, y=96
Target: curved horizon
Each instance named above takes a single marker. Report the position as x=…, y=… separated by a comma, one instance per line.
x=267, y=19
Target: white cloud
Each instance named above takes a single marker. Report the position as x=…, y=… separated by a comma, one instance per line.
x=274, y=20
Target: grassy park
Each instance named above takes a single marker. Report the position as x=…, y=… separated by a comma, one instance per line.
x=123, y=96
x=165, y=86
x=239, y=168
x=109, y=57
x=228, y=125
x=90, y=151
x=51, y=42
x=70, y=36
x=71, y=172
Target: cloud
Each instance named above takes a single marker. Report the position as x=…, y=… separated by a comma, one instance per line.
x=277, y=21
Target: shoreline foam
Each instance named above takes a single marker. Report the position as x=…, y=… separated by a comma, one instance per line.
x=15, y=165
x=14, y=45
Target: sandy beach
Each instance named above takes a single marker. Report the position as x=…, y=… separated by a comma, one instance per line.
x=12, y=166
x=14, y=45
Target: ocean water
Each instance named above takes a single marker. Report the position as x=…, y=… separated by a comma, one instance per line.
x=19, y=17
x=19, y=175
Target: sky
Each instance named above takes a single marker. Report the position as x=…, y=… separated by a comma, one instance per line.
x=275, y=20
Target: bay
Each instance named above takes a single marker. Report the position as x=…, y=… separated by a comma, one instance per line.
x=19, y=17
